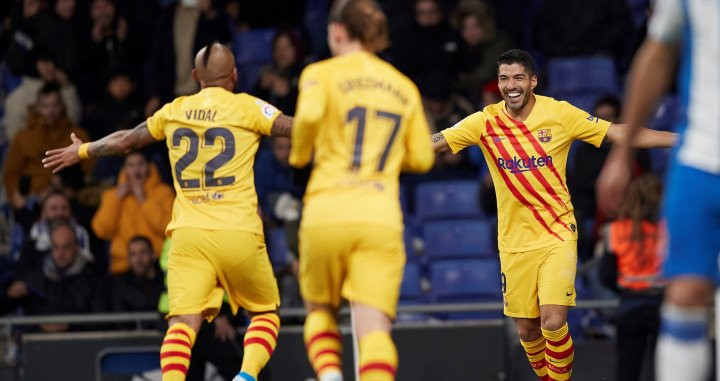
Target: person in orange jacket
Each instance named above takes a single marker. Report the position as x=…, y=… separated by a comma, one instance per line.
x=139, y=205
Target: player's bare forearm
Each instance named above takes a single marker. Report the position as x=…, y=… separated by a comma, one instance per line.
x=439, y=143
x=282, y=126
x=122, y=142
x=118, y=143
x=650, y=77
x=644, y=137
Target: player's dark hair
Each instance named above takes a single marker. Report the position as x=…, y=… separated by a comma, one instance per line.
x=642, y=203
x=518, y=56
x=364, y=21
x=141, y=238
x=207, y=52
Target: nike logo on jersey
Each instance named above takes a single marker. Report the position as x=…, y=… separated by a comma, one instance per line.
x=497, y=139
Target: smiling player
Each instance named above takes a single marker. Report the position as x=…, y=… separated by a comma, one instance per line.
x=525, y=139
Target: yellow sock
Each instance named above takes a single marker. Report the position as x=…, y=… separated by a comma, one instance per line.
x=378, y=357
x=535, y=351
x=259, y=342
x=175, y=352
x=559, y=353
x=323, y=342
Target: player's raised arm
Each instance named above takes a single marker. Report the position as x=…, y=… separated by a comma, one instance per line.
x=642, y=137
x=118, y=143
x=439, y=144
x=650, y=76
x=282, y=126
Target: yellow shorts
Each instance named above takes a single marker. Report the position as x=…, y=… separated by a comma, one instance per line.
x=362, y=263
x=535, y=278
x=204, y=263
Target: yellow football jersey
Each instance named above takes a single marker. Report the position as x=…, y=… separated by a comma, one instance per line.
x=364, y=122
x=527, y=164
x=212, y=138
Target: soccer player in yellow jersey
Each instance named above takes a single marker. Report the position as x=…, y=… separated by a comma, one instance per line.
x=217, y=238
x=525, y=139
x=364, y=123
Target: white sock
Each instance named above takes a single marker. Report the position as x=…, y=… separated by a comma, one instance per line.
x=331, y=376
x=683, y=350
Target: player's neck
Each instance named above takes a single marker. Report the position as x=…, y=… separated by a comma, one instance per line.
x=348, y=48
x=524, y=112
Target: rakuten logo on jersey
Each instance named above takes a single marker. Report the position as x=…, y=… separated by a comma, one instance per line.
x=517, y=164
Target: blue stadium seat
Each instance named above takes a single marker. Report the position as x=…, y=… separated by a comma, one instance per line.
x=583, y=101
x=666, y=114
x=447, y=199
x=126, y=361
x=277, y=248
x=411, y=286
x=465, y=280
x=253, y=46
x=582, y=75
x=458, y=239
x=248, y=75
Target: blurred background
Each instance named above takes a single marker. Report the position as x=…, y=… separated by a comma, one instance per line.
x=82, y=252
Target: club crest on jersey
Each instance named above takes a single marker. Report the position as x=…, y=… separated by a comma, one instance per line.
x=544, y=135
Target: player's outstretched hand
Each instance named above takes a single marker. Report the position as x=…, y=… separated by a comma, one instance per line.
x=613, y=181
x=57, y=159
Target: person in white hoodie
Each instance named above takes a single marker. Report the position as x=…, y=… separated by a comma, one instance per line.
x=24, y=96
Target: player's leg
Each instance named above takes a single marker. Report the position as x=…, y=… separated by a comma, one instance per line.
x=683, y=350
x=323, y=341
x=245, y=272
x=520, y=300
x=375, y=271
x=378, y=355
x=321, y=274
x=556, y=293
x=192, y=296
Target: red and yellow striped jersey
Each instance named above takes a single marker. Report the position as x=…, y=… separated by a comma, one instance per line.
x=527, y=164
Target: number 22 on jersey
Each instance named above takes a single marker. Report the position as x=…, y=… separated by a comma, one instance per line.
x=196, y=142
x=360, y=115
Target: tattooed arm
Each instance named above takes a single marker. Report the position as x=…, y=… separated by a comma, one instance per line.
x=282, y=126
x=118, y=143
x=439, y=143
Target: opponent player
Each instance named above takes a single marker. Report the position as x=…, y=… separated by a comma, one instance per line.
x=525, y=140
x=364, y=122
x=692, y=203
x=217, y=237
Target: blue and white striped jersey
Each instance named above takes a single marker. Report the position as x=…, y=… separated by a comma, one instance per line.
x=695, y=26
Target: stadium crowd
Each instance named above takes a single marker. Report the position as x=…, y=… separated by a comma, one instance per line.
x=90, y=238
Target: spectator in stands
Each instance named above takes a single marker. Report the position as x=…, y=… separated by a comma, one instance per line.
x=22, y=25
x=48, y=127
x=567, y=28
x=20, y=100
x=139, y=288
x=586, y=165
x=181, y=31
x=118, y=108
x=139, y=205
x=64, y=284
x=278, y=83
x=428, y=45
x=62, y=35
x=278, y=196
x=443, y=107
x=632, y=265
x=55, y=206
x=108, y=44
x=480, y=46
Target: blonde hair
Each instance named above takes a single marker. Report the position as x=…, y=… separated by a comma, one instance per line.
x=364, y=21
